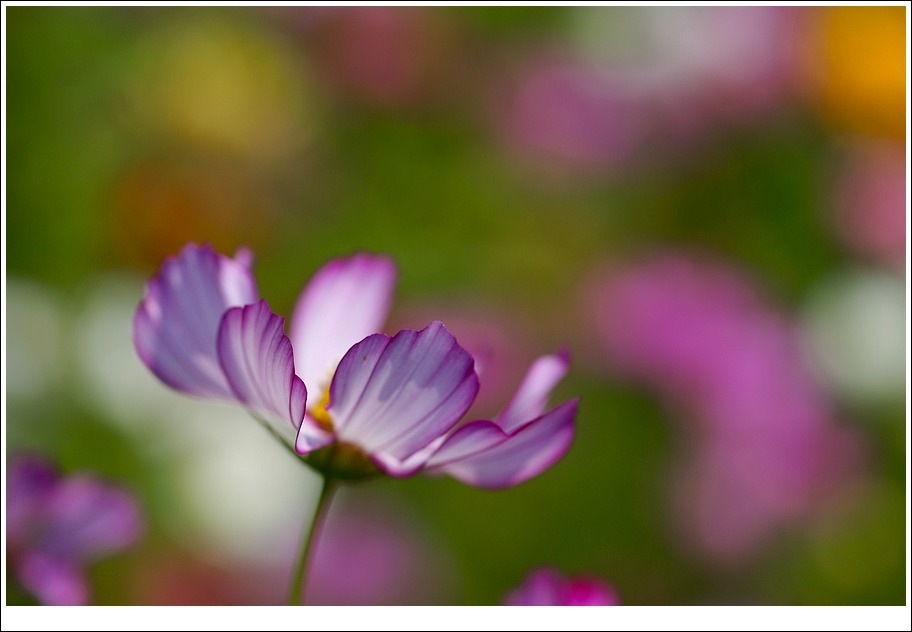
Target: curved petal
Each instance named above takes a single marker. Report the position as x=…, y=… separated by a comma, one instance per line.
x=346, y=300
x=475, y=455
x=394, y=396
x=467, y=441
x=175, y=325
x=89, y=518
x=311, y=437
x=532, y=395
x=402, y=468
x=256, y=357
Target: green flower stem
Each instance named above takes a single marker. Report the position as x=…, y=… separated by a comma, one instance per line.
x=310, y=536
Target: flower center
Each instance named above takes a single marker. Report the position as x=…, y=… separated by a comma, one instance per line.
x=319, y=413
x=340, y=459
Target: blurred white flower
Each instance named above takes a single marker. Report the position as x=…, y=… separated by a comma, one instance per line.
x=855, y=325
x=36, y=339
x=244, y=498
x=110, y=375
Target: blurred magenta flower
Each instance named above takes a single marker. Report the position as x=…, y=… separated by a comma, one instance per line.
x=768, y=450
x=547, y=587
x=56, y=526
x=377, y=403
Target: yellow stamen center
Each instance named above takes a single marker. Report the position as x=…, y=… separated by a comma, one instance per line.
x=320, y=414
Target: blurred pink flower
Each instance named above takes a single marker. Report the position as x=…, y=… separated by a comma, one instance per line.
x=870, y=201
x=373, y=554
x=691, y=71
x=767, y=449
x=387, y=56
x=568, y=114
x=384, y=404
x=546, y=587
x=56, y=526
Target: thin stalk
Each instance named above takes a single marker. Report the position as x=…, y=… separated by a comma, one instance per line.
x=310, y=536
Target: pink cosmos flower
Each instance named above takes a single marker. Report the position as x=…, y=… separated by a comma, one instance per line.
x=546, y=587
x=56, y=526
x=353, y=401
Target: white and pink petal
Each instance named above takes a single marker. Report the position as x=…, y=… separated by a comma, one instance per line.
x=466, y=441
x=476, y=455
x=346, y=300
x=175, y=325
x=258, y=363
x=394, y=396
x=531, y=397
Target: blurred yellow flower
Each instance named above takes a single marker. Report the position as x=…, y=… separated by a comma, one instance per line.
x=857, y=60
x=224, y=85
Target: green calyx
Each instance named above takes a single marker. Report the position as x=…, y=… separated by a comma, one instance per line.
x=344, y=462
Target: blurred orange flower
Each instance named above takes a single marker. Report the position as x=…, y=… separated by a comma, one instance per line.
x=857, y=61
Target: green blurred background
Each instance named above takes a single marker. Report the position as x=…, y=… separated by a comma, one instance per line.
x=311, y=133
